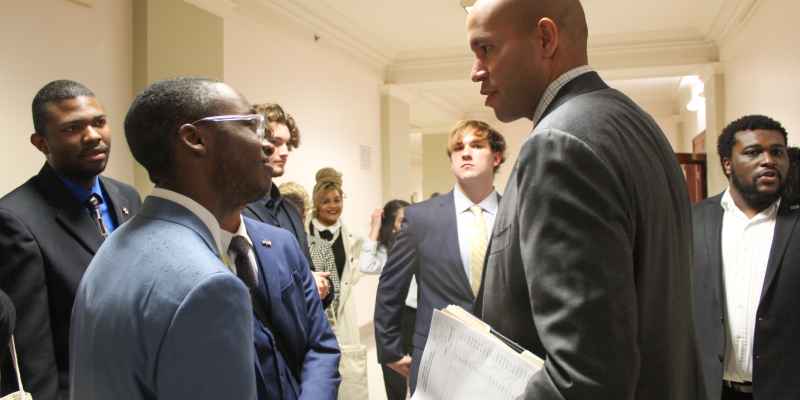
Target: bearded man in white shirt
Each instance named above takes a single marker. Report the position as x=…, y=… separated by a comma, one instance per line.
x=745, y=281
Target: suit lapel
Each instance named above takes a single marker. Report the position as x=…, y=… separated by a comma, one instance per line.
x=784, y=225
x=70, y=214
x=120, y=205
x=259, y=212
x=713, y=238
x=447, y=208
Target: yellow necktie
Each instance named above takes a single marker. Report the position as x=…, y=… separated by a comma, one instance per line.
x=477, y=248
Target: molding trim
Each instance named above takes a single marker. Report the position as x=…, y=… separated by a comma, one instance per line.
x=348, y=40
x=731, y=17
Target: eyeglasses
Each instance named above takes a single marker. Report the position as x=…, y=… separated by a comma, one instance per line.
x=255, y=121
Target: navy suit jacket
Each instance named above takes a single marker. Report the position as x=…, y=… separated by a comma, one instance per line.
x=426, y=246
x=309, y=366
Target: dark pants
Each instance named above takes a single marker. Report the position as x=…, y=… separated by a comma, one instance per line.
x=731, y=394
x=396, y=385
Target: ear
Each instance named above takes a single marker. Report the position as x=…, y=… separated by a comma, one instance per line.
x=40, y=142
x=548, y=36
x=726, y=167
x=498, y=159
x=193, y=140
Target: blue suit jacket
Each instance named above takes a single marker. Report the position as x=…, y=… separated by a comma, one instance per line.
x=159, y=316
x=310, y=367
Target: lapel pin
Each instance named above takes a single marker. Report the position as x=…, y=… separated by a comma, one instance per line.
x=125, y=211
x=794, y=207
x=266, y=243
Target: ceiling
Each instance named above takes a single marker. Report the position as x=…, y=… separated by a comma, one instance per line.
x=641, y=47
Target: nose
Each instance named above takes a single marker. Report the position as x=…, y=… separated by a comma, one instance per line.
x=478, y=71
x=769, y=158
x=91, y=134
x=283, y=150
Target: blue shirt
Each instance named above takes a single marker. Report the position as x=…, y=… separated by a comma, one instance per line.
x=82, y=195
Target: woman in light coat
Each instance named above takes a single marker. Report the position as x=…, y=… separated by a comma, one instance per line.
x=335, y=250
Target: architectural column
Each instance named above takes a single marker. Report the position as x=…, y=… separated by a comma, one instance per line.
x=396, y=149
x=173, y=38
x=714, y=83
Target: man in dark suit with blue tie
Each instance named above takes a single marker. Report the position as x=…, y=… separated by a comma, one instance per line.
x=443, y=242
x=51, y=227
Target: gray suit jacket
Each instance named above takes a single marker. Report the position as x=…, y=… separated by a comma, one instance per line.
x=159, y=316
x=426, y=246
x=776, y=352
x=589, y=261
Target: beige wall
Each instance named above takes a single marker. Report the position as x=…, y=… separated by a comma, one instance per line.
x=43, y=40
x=335, y=101
x=173, y=38
x=760, y=64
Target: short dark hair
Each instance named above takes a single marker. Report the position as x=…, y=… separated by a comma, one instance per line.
x=158, y=112
x=747, y=123
x=52, y=92
x=386, y=233
x=273, y=112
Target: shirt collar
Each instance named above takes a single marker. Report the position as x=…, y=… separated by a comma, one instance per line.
x=729, y=205
x=79, y=192
x=318, y=226
x=226, y=237
x=463, y=203
x=198, y=210
x=273, y=198
x=554, y=87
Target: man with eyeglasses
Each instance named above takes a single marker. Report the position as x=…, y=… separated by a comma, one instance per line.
x=50, y=228
x=159, y=313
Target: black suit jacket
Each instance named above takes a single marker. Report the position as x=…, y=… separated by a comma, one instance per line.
x=589, y=261
x=426, y=246
x=776, y=347
x=47, y=239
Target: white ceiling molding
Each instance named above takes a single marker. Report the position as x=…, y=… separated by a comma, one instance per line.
x=350, y=40
x=416, y=97
x=220, y=8
x=86, y=3
x=732, y=16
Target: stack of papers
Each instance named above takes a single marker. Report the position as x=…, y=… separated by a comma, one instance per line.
x=465, y=359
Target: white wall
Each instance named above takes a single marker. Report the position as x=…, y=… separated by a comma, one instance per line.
x=44, y=40
x=760, y=62
x=335, y=101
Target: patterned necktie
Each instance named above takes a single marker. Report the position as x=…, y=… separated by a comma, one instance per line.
x=477, y=248
x=244, y=268
x=93, y=203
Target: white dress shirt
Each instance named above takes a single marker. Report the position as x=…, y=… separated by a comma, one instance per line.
x=553, y=88
x=465, y=220
x=227, y=237
x=746, y=244
x=373, y=259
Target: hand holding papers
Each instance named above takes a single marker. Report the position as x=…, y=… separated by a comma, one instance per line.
x=465, y=359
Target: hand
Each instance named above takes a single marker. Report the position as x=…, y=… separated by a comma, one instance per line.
x=375, y=223
x=402, y=366
x=323, y=284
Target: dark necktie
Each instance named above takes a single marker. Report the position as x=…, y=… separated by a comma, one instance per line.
x=244, y=268
x=326, y=234
x=93, y=203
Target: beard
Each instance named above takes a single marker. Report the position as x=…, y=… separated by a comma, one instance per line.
x=756, y=199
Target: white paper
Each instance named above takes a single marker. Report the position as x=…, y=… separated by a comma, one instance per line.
x=463, y=364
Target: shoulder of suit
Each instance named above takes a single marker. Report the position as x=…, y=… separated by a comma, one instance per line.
x=264, y=231
x=121, y=186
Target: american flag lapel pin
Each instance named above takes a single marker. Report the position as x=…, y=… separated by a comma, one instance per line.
x=266, y=243
x=125, y=211
x=794, y=207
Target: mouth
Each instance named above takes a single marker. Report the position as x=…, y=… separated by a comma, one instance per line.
x=768, y=177
x=95, y=155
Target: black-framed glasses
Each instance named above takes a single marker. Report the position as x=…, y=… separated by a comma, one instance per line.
x=256, y=121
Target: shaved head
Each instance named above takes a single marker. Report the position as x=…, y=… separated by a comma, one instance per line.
x=524, y=15
x=521, y=46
